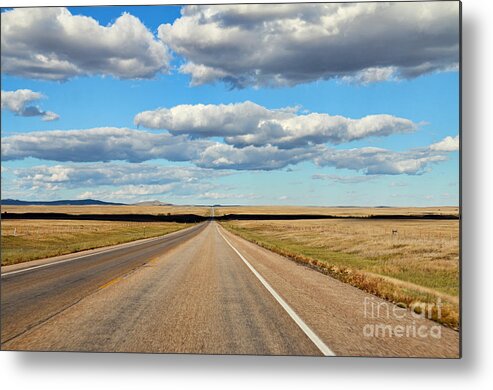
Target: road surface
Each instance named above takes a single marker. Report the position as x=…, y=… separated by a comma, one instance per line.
x=199, y=290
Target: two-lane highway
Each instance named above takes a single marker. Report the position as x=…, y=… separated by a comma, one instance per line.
x=201, y=290
x=199, y=298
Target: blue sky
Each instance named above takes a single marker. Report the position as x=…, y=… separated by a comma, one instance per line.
x=93, y=98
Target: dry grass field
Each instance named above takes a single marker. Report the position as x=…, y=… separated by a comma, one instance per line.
x=336, y=211
x=24, y=240
x=154, y=210
x=404, y=261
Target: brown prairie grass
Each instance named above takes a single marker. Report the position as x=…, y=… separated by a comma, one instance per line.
x=408, y=262
x=130, y=209
x=337, y=211
x=25, y=240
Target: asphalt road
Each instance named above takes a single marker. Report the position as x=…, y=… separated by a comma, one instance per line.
x=200, y=290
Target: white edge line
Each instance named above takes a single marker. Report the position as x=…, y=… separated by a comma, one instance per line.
x=125, y=245
x=296, y=318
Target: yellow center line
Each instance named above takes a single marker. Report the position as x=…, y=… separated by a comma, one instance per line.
x=113, y=281
x=152, y=261
x=119, y=278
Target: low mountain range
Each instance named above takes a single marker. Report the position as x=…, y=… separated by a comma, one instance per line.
x=78, y=202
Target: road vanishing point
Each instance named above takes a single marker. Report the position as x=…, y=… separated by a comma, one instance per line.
x=198, y=290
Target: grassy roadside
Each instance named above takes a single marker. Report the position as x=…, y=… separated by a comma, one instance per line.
x=414, y=267
x=25, y=240
x=337, y=211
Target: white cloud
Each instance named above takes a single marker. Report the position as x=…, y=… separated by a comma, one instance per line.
x=122, y=181
x=287, y=44
x=221, y=156
x=17, y=102
x=112, y=144
x=377, y=161
x=86, y=195
x=100, y=144
x=135, y=191
x=111, y=174
x=247, y=123
x=209, y=120
x=131, y=193
x=226, y=195
x=49, y=116
x=372, y=75
x=202, y=74
x=448, y=144
x=52, y=44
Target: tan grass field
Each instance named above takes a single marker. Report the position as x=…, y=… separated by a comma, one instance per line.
x=419, y=262
x=24, y=240
x=404, y=261
x=154, y=210
x=337, y=211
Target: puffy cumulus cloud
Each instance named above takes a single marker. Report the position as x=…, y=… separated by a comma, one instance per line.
x=184, y=191
x=202, y=74
x=377, y=161
x=110, y=174
x=288, y=44
x=52, y=44
x=17, y=102
x=107, y=144
x=146, y=192
x=210, y=120
x=249, y=124
x=100, y=144
x=136, y=191
x=122, y=181
x=111, y=144
x=367, y=160
x=267, y=158
x=448, y=144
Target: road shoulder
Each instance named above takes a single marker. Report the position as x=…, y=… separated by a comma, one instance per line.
x=344, y=316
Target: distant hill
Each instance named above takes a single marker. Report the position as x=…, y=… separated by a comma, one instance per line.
x=153, y=203
x=81, y=202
